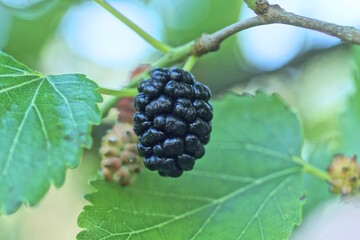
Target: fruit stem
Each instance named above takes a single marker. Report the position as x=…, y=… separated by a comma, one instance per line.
x=115, y=95
x=124, y=92
x=175, y=55
x=190, y=62
x=251, y=4
x=108, y=104
x=169, y=59
x=311, y=169
x=162, y=47
x=317, y=172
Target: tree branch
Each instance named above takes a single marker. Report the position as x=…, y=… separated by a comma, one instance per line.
x=266, y=14
x=270, y=14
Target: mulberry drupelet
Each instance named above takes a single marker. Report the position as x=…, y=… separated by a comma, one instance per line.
x=173, y=120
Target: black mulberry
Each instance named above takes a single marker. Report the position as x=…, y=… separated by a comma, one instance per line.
x=173, y=120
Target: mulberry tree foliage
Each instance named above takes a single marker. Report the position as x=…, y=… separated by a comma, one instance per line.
x=45, y=121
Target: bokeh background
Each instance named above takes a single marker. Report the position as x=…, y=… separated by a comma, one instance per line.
x=311, y=71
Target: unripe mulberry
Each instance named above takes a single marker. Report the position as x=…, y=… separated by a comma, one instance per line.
x=173, y=120
x=125, y=109
x=345, y=175
x=120, y=159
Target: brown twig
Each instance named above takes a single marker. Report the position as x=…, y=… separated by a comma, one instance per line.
x=269, y=14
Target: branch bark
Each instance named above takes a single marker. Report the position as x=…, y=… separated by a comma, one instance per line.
x=270, y=14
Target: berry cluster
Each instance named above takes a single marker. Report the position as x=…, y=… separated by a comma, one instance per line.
x=173, y=120
x=120, y=159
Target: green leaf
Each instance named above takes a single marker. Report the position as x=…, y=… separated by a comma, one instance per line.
x=44, y=123
x=248, y=185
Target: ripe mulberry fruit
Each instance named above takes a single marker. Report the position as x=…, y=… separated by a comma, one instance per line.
x=120, y=159
x=173, y=120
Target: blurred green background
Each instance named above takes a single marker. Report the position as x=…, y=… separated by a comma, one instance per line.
x=313, y=72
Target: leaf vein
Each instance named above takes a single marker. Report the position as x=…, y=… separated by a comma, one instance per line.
x=280, y=211
x=208, y=220
x=20, y=128
x=142, y=213
x=67, y=105
x=43, y=127
x=221, y=176
x=255, y=147
x=3, y=90
x=14, y=68
x=262, y=205
x=173, y=195
x=269, y=177
x=17, y=75
x=261, y=227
